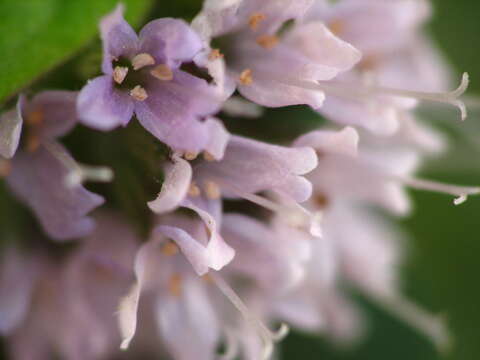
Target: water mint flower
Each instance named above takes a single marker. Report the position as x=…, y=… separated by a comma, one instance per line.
x=39, y=173
x=246, y=168
x=396, y=56
x=66, y=308
x=143, y=76
x=265, y=56
x=183, y=302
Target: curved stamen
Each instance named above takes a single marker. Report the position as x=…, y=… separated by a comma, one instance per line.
x=79, y=173
x=296, y=214
x=268, y=337
x=430, y=325
x=461, y=192
x=363, y=92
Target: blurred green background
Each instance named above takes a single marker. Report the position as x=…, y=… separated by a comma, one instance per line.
x=443, y=257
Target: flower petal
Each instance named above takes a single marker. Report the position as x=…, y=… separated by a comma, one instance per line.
x=269, y=91
x=38, y=179
x=17, y=281
x=193, y=250
x=103, y=107
x=169, y=41
x=253, y=166
x=315, y=41
x=219, y=137
x=218, y=252
x=11, y=124
x=178, y=177
x=173, y=109
x=331, y=142
x=57, y=110
x=191, y=316
x=118, y=38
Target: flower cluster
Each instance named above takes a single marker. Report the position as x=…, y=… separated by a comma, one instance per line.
x=205, y=278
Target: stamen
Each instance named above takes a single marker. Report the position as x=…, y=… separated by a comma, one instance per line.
x=175, y=285
x=35, y=117
x=33, y=143
x=5, y=168
x=321, y=200
x=170, y=249
x=255, y=20
x=208, y=157
x=431, y=326
x=246, y=77
x=139, y=93
x=368, y=63
x=295, y=214
x=193, y=190
x=362, y=92
x=79, y=173
x=83, y=173
x=336, y=27
x=190, y=155
x=142, y=60
x=162, y=72
x=215, y=54
x=120, y=73
x=461, y=192
x=268, y=337
x=268, y=41
x=212, y=190
x=231, y=345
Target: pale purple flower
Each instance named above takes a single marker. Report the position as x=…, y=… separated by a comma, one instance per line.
x=264, y=56
x=368, y=173
x=143, y=76
x=245, y=168
x=349, y=177
x=396, y=56
x=67, y=308
x=43, y=174
x=183, y=303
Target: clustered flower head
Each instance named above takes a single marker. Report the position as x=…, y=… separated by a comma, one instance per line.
x=206, y=278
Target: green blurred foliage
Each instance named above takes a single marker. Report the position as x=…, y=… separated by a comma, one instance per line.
x=39, y=34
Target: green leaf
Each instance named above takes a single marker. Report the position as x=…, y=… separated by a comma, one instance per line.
x=36, y=35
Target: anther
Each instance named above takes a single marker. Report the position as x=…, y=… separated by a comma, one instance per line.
x=33, y=143
x=215, y=54
x=35, y=117
x=255, y=19
x=162, y=72
x=190, y=155
x=246, y=77
x=336, y=27
x=321, y=200
x=368, y=63
x=175, y=285
x=208, y=156
x=170, y=249
x=193, y=190
x=120, y=73
x=212, y=190
x=138, y=93
x=142, y=60
x=5, y=168
x=267, y=41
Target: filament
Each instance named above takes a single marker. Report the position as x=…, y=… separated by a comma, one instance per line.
x=268, y=337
